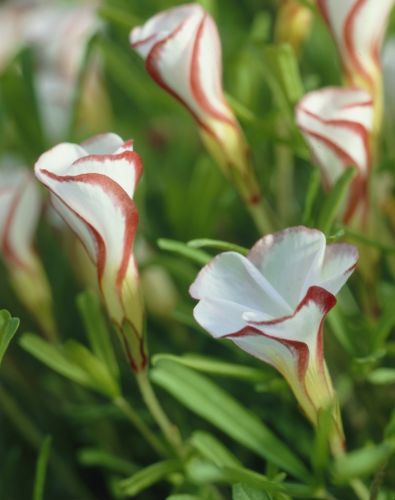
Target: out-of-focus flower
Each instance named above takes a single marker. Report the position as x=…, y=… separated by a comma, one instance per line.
x=388, y=61
x=273, y=303
x=182, y=53
x=58, y=33
x=337, y=124
x=20, y=207
x=358, y=28
x=293, y=23
x=92, y=187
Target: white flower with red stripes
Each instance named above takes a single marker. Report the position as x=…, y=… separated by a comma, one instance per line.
x=182, y=53
x=358, y=28
x=337, y=124
x=20, y=209
x=92, y=187
x=272, y=304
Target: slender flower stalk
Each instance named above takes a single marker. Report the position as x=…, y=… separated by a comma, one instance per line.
x=20, y=208
x=358, y=28
x=337, y=124
x=272, y=304
x=182, y=53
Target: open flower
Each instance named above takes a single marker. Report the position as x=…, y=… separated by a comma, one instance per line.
x=182, y=53
x=337, y=125
x=273, y=303
x=358, y=28
x=20, y=208
x=92, y=187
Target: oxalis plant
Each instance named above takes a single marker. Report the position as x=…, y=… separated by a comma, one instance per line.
x=197, y=239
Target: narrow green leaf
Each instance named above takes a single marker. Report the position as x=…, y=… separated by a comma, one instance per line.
x=96, y=329
x=362, y=462
x=54, y=358
x=100, y=377
x=284, y=67
x=311, y=196
x=242, y=491
x=144, y=478
x=41, y=469
x=333, y=201
x=220, y=245
x=182, y=249
x=382, y=376
x=251, y=478
x=213, y=450
x=73, y=361
x=8, y=328
x=215, y=366
x=95, y=457
x=210, y=402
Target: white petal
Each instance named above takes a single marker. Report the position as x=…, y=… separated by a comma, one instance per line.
x=339, y=262
x=20, y=207
x=103, y=144
x=358, y=28
x=290, y=261
x=59, y=158
x=231, y=277
x=220, y=317
x=124, y=166
x=183, y=54
x=103, y=216
x=336, y=124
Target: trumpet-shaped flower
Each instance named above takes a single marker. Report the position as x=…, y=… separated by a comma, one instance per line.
x=358, y=28
x=92, y=187
x=182, y=53
x=337, y=124
x=273, y=303
x=20, y=208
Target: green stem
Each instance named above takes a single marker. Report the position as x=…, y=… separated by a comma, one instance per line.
x=169, y=430
x=136, y=421
x=359, y=488
x=260, y=217
x=284, y=176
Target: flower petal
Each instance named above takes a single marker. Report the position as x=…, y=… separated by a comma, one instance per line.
x=103, y=144
x=339, y=262
x=336, y=124
x=231, y=277
x=183, y=55
x=290, y=260
x=358, y=27
x=20, y=207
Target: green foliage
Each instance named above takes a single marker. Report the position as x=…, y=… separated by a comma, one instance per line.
x=41, y=469
x=210, y=402
x=8, y=328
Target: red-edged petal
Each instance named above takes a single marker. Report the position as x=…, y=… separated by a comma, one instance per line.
x=358, y=27
x=20, y=207
x=290, y=260
x=183, y=55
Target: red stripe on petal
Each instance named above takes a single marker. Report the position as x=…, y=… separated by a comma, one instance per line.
x=348, y=33
x=195, y=79
x=122, y=200
x=7, y=249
